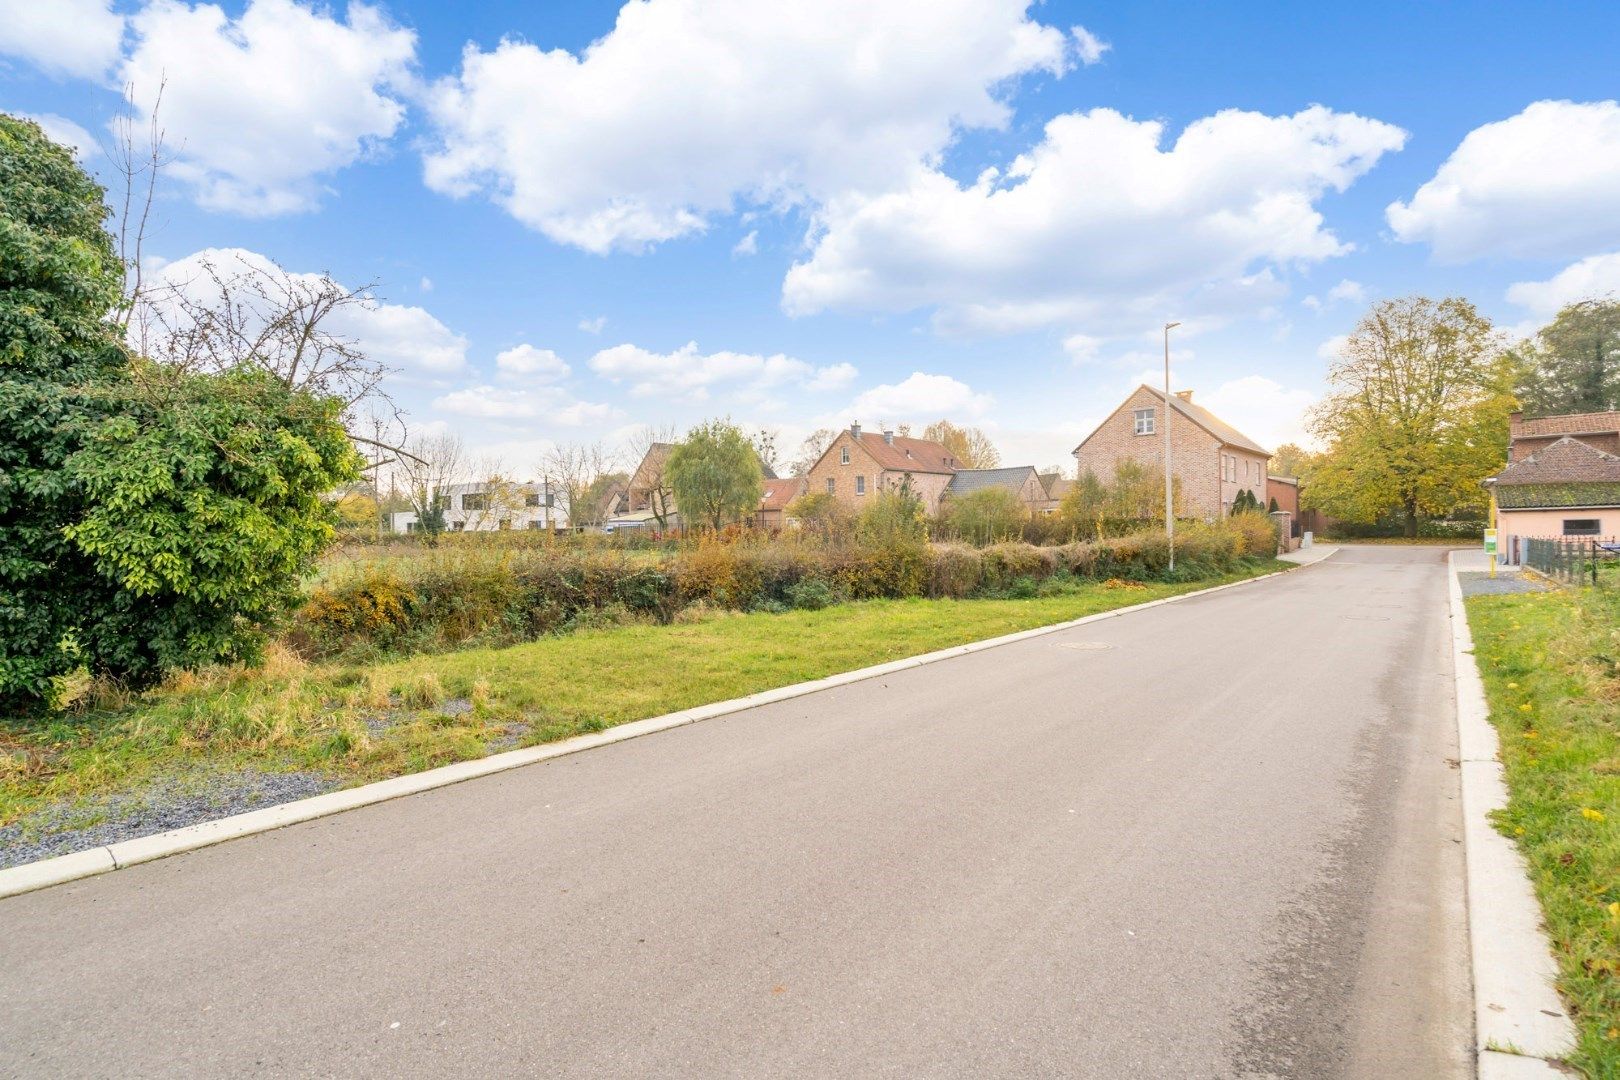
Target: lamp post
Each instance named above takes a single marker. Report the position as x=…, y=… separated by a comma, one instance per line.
x=1169, y=497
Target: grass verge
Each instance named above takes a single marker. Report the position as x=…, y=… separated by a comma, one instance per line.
x=1551, y=666
x=363, y=723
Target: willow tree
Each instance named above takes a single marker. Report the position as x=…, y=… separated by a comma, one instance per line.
x=1416, y=416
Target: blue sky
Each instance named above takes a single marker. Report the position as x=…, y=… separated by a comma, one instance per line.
x=782, y=212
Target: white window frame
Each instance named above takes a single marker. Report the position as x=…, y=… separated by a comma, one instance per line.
x=860, y=485
x=843, y=455
x=1145, y=420
x=832, y=485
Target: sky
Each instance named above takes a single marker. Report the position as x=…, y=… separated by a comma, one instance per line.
x=580, y=219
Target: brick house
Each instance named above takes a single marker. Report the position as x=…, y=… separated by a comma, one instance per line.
x=1212, y=460
x=772, y=512
x=858, y=464
x=1562, y=480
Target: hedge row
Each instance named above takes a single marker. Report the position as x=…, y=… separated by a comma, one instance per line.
x=444, y=599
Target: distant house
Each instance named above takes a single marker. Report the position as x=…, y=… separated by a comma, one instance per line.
x=490, y=506
x=1022, y=480
x=772, y=512
x=1212, y=460
x=1562, y=480
x=857, y=465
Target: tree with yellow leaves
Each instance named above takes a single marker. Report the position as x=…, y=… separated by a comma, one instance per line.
x=1417, y=415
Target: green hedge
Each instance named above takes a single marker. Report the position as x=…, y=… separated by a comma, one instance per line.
x=453, y=596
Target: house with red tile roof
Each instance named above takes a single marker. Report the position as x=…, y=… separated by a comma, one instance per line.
x=1562, y=480
x=859, y=464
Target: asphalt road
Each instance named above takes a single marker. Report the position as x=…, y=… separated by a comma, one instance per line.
x=1226, y=844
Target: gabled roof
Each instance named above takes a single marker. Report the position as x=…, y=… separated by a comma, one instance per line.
x=1589, y=423
x=778, y=493
x=1567, y=461
x=1014, y=478
x=903, y=454
x=1226, y=433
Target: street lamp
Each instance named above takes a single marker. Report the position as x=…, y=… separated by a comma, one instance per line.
x=1169, y=505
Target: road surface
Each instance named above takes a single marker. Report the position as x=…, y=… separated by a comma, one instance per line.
x=1218, y=838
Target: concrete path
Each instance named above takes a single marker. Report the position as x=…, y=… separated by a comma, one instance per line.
x=1212, y=839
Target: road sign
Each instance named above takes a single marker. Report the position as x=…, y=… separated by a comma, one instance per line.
x=1490, y=541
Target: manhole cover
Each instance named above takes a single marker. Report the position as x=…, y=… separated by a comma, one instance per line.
x=1084, y=646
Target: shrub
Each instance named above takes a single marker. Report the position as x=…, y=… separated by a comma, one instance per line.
x=811, y=595
x=984, y=516
x=954, y=571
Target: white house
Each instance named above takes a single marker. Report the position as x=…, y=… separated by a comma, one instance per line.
x=493, y=505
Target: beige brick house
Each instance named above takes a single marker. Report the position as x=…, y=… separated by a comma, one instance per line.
x=1212, y=460
x=858, y=464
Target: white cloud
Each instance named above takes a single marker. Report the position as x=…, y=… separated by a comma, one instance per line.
x=920, y=398
x=1082, y=348
x=506, y=403
x=593, y=326
x=526, y=361
x=1545, y=182
x=1089, y=46
x=1333, y=347
x=260, y=108
x=62, y=37
x=426, y=284
x=1098, y=227
x=690, y=107
x=1345, y=291
x=64, y=132
x=688, y=375
x=1592, y=277
x=748, y=245
x=1261, y=408
x=395, y=335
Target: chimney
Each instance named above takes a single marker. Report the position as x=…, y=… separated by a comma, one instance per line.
x=888, y=437
x=855, y=429
x=1185, y=395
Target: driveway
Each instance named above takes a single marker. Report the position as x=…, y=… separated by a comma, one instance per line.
x=1217, y=838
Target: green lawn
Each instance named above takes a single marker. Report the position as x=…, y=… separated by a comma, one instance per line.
x=1551, y=665
x=365, y=723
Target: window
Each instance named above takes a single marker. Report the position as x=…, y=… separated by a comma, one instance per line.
x=531, y=499
x=860, y=485
x=441, y=502
x=458, y=526
x=843, y=456
x=1144, y=421
x=506, y=523
x=475, y=501
x=832, y=486
x=1582, y=526
x=537, y=524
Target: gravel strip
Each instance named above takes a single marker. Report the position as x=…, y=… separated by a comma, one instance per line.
x=1480, y=583
x=169, y=803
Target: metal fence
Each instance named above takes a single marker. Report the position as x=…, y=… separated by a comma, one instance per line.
x=1585, y=560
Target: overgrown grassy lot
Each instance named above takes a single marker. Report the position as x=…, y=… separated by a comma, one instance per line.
x=1551, y=665
x=364, y=722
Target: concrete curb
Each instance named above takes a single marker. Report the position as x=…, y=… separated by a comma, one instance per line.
x=1516, y=1004
x=83, y=864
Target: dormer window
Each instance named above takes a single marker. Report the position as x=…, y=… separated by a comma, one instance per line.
x=1144, y=421
x=843, y=456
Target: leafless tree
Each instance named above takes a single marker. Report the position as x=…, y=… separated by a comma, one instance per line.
x=575, y=469
x=810, y=451
x=650, y=484
x=237, y=314
x=432, y=464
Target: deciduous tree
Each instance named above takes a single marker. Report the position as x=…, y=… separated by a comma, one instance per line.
x=716, y=474
x=1573, y=363
x=970, y=446
x=1417, y=414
